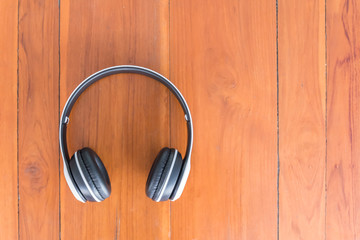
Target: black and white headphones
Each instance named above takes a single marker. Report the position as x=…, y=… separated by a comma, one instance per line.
x=85, y=173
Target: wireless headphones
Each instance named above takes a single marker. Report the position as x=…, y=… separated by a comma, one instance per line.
x=85, y=173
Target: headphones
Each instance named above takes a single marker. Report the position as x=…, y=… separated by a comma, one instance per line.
x=85, y=173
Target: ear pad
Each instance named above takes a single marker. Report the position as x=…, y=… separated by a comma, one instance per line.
x=90, y=175
x=163, y=175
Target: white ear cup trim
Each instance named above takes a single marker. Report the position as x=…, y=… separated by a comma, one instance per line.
x=167, y=177
x=182, y=183
x=71, y=185
x=84, y=179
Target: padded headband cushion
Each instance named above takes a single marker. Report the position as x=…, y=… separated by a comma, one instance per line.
x=156, y=172
x=96, y=173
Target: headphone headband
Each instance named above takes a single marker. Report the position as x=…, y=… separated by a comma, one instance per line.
x=64, y=120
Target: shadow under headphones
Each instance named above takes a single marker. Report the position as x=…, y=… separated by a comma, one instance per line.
x=85, y=173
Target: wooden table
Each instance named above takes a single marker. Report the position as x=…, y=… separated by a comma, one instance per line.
x=274, y=91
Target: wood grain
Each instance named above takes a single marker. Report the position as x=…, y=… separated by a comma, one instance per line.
x=222, y=55
x=125, y=118
x=223, y=59
x=38, y=120
x=343, y=170
x=302, y=89
x=8, y=119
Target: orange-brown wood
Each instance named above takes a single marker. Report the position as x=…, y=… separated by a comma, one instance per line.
x=125, y=118
x=38, y=120
x=222, y=55
x=223, y=59
x=301, y=55
x=8, y=122
x=343, y=119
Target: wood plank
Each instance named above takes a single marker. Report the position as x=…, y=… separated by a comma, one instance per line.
x=301, y=26
x=8, y=119
x=343, y=170
x=223, y=59
x=125, y=119
x=38, y=120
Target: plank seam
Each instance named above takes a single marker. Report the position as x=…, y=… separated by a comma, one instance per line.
x=277, y=122
x=59, y=167
x=17, y=121
x=325, y=237
x=169, y=96
x=116, y=228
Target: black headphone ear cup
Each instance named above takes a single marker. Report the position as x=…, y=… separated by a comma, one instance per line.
x=173, y=178
x=156, y=172
x=90, y=175
x=163, y=175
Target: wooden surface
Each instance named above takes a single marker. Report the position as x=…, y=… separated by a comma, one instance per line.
x=343, y=118
x=232, y=96
x=302, y=139
x=8, y=122
x=273, y=88
x=38, y=114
